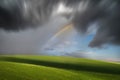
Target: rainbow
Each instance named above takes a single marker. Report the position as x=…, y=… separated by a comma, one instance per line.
x=64, y=30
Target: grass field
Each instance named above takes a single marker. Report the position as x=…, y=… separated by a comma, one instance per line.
x=21, y=67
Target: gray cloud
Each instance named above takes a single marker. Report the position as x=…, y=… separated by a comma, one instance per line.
x=19, y=14
x=106, y=13
x=16, y=15
x=30, y=40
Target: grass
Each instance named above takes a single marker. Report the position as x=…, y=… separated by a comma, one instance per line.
x=21, y=67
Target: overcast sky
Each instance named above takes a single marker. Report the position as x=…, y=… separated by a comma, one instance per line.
x=85, y=28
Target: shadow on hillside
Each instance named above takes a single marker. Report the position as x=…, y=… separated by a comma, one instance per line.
x=67, y=66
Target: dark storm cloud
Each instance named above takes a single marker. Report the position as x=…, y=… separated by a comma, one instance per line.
x=19, y=14
x=107, y=14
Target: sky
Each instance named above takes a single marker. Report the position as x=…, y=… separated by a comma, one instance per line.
x=77, y=45
x=79, y=28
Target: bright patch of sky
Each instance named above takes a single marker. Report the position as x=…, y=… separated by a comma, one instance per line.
x=71, y=42
x=74, y=44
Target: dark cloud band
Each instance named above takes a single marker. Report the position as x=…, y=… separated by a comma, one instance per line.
x=107, y=14
x=19, y=14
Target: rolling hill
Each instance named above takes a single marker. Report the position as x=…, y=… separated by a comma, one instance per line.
x=24, y=67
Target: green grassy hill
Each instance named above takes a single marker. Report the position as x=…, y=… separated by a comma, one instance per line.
x=56, y=68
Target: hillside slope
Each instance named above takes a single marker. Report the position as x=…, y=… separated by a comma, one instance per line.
x=56, y=68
